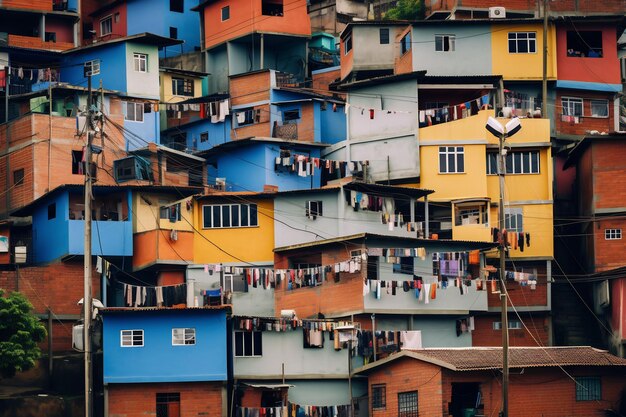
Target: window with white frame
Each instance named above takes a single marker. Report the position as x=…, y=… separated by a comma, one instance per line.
x=183, y=336
x=572, y=106
x=313, y=209
x=131, y=338
x=451, y=160
x=248, y=116
x=513, y=220
x=140, y=62
x=182, y=87
x=517, y=162
x=612, y=234
x=471, y=213
x=445, y=43
x=522, y=42
x=216, y=216
x=512, y=324
x=599, y=108
x=248, y=344
x=106, y=26
x=133, y=112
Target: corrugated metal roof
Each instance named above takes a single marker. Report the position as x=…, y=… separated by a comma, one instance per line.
x=114, y=310
x=485, y=358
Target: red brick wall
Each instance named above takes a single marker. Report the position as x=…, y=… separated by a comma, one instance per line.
x=547, y=392
x=608, y=6
x=139, y=400
x=609, y=177
x=330, y=298
x=57, y=286
x=524, y=296
x=608, y=253
x=408, y=375
x=262, y=128
x=250, y=88
x=537, y=323
x=601, y=124
x=322, y=80
x=404, y=63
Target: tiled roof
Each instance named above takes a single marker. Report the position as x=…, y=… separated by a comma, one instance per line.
x=484, y=358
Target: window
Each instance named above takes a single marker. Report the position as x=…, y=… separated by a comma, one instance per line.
x=132, y=168
x=406, y=266
x=513, y=325
x=435, y=105
x=131, y=338
x=168, y=404
x=405, y=44
x=272, y=7
x=204, y=137
x=173, y=32
x=18, y=177
x=347, y=44
x=572, y=106
x=379, y=396
x=248, y=344
x=133, y=112
x=235, y=283
x=106, y=26
x=182, y=87
x=77, y=163
x=141, y=62
x=581, y=44
x=52, y=211
x=291, y=116
x=225, y=13
x=248, y=117
x=116, y=17
x=588, y=388
x=171, y=212
x=612, y=234
x=599, y=108
x=474, y=213
x=517, y=162
x=50, y=36
x=444, y=43
x=522, y=42
x=407, y=404
x=513, y=220
x=177, y=6
x=229, y=215
x=383, y=34
x=185, y=336
x=313, y=209
x=451, y=160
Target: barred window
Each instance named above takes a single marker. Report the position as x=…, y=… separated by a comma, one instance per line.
x=407, y=404
x=184, y=336
x=588, y=388
x=379, y=396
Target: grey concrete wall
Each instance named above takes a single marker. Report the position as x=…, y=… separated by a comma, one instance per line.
x=368, y=53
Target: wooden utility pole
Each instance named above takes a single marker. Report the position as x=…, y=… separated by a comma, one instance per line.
x=544, y=81
x=503, y=292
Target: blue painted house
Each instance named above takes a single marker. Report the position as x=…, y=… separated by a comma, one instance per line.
x=130, y=67
x=166, y=18
x=58, y=227
x=250, y=164
x=174, y=358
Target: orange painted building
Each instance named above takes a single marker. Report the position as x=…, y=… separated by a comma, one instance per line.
x=225, y=20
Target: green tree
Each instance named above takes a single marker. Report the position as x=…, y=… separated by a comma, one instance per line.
x=20, y=331
x=406, y=10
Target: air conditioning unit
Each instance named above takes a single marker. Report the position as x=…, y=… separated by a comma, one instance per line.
x=497, y=13
x=20, y=254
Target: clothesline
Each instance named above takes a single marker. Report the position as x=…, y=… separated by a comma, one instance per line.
x=157, y=296
x=305, y=165
x=282, y=324
x=444, y=114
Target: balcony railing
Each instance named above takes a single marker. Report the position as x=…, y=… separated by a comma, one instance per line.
x=32, y=42
x=288, y=131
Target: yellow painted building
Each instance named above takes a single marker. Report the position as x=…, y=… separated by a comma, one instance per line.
x=179, y=85
x=234, y=228
x=517, y=51
x=459, y=161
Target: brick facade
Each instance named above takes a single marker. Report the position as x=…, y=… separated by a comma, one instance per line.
x=57, y=287
x=538, y=323
x=139, y=400
x=585, y=123
x=584, y=6
x=531, y=393
x=321, y=81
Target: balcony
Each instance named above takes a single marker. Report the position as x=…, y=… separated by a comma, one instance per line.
x=32, y=42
